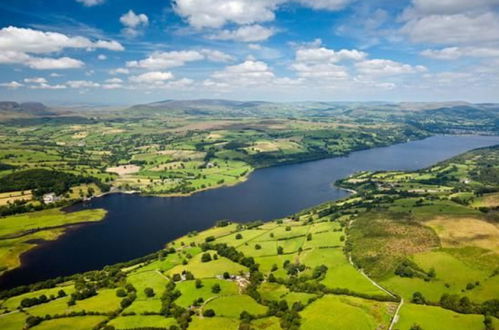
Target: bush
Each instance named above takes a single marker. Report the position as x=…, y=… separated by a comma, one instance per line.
x=239, y=236
x=216, y=288
x=149, y=292
x=120, y=293
x=258, y=247
x=280, y=250
x=198, y=284
x=206, y=257
x=209, y=313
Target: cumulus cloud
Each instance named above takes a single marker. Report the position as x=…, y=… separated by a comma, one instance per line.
x=82, y=84
x=384, y=67
x=216, y=55
x=119, y=71
x=35, y=80
x=17, y=46
x=133, y=23
x=453, y=53
x=91, y=3
x=453, y=23
x=164, y=60
x=248, y=73
x=154, y=77
x=315, y=61
x=39, y=42
x=248, y=33
x=217, y=13
x=102, y=57
x=326, y=4
x=11, y=85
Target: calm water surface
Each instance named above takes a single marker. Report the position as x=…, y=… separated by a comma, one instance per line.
x=137, y=225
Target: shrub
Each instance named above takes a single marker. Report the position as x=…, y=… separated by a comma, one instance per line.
x=239, y=236
x=209, y=313
x=206, y=257
x=149, y=292
x=216, y=288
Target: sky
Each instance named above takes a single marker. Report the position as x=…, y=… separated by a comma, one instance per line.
x=137, y=51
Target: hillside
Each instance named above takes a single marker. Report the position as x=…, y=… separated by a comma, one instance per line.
x=428, y=242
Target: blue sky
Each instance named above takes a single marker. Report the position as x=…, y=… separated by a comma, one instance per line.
x=131, y=51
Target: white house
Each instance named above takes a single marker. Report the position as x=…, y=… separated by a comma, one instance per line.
x=50, y=198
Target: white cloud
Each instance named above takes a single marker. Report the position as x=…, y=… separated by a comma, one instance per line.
x=35, y=80
x=45, y=63
x=165, y=60
x=17, y=46
x=133, y=22
x=154, y=77
x=216, y=55
x=55, y=75
x=112, y=86
x=90, y=3
x=82, y=84
x=119, y=71
x=454, y=29
x=48, y=86
x=320, y=70
x=12, y=85
x=322, y=54
x=314, y=61
x=453, y=53
x=39, y=42
x=250, y=72
x=217, y=13
x=326, y=4
x=248, y=33
x=114, y=81
x=448, y=7
x=384, y=67
x=102, y=57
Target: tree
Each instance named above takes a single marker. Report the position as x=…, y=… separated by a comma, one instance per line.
x=120, y=293
x=258, y=246
x=149, y=292
x=239, y=236
x=418, y=298
x=209, y=313
x=280, y=250
x=199, y=284
x=226, y=275
x=206, y=257
x=216, y=288
x=415, y=327
x=309, y=237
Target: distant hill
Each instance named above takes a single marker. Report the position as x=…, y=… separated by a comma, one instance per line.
x=26, y=109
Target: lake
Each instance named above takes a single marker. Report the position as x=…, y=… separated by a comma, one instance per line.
x=138, y=225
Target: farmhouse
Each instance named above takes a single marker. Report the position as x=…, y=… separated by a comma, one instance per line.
x=51, y=198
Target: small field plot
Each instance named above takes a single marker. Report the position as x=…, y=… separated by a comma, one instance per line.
x=340, y=274
x=13, y=321
x=259, y=249
x=191, y=293
x=208, y=269
x=467, y=231
x=233, y=306
x=266, y=263
x=436, y=318
x=142, y=321
x=71, y=323
x=341, y=312
x=452, y=276
x=245, y=236
x=324, y=239
x=221, y=323
x=267, y=323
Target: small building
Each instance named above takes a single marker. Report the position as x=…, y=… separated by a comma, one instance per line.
x=51, y=198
